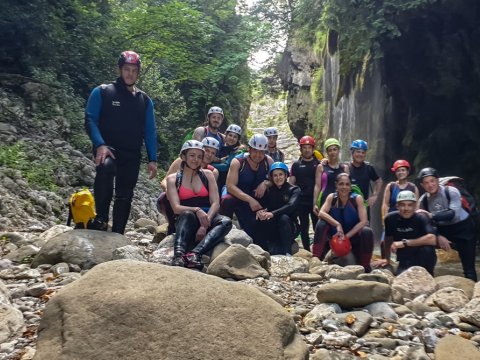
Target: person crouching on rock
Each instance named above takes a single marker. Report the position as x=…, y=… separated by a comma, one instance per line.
x=193, y=195
x=410, y=235
x=275, y=227
x=344, y=215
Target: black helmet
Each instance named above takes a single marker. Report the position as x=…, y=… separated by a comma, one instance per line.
x=429, y=171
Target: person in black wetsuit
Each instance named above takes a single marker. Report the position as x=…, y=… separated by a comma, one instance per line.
x=118, y=118
x=193, y=195
x=302, y=174
x=410, y=235
x=273, y=151
x=275, y=226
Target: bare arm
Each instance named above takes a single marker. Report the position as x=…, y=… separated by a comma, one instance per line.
x=292, y=179
x=428, y=239
x=324, y=215
x=199, y=133
x=318, y=187
x=376, y=190
x=362, y=214
x=386, y=200
x=234, y=190
x=212, y=194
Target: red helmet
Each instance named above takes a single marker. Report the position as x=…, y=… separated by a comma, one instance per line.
x=129, y=57
x=400, y=163
x=340, y=247
x=307, y=140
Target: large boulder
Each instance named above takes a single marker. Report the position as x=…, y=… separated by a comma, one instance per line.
x=458, y=282
x=353, y=293
x=137, y=310
x=11, y=319
x=470, y=313
x=85, y=248
x=238, y=263
x=283, y=266
x=413, y=282
x=456, y=347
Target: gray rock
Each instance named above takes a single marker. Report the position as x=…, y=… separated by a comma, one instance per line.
x=450, y=299
x=37, y=290
x=471, y=312
x=305, y=277
x=60, y=268
x=349, y=272
x=22, y=253
x=456, y=347
x=236, y=236
x=13, y=237
x=319, y=313
x=11, y=322
x=358, y=321
x=457, y=282
x=54, y=231
x=417, y=353
x=413, y=282
x=476, y=290
x=374, y=277
x=128, y=252
x=5, y=264
x=85, y=248
x=283, y=266
x=191, y=304
x=341, y=293
x=143, y=223
x=238, y=263
x=339, y=338
x=381, y=310
x=164, y=252
x=324, y=354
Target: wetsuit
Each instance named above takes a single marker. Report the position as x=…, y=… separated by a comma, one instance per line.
x=347, y=216
x=276, y=235
x=248, y=181
x=121, y=120
x=187, y=224
x=222, y=167
x=304, y=172
x=417, y=226
x=362, y=175
x=454, y=223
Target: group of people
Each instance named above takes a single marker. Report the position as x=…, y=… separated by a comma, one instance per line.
x=216, y=177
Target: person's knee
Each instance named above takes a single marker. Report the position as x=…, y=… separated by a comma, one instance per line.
x=109, y=167
x=226, y=223
x=188, y=215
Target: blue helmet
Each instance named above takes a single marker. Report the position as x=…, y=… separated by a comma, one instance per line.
x=359, y=145
x=278, y=165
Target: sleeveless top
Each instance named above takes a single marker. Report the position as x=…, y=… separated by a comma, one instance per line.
x=249, y=179
x=217, y=136
x=394, y=190
x=346, y=215
x=329, y=176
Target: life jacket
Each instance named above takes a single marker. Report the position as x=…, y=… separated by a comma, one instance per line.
x=346, y=215
x=81, y=207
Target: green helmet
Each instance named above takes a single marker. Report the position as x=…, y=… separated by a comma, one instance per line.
x=406, y=195
x=330, y=142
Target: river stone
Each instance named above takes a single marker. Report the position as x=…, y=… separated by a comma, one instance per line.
x=476, y=290
x=128, y=252
x=458, y=282
x=319, y=269
x=190, y=316
x=349, y=272
x=319, y=313
x=353, y=293
x=283, y=266
x=236, y=236
x=339, y=338
x=471, y=312
x=314, y=262
x=54, y=231
x=143, y=223
x=161, y=232
x=304, y=254
x=85, y=248
x=358, y=321
x=163, y=254
x=22, y=253
x=11, y=322
x=450, y=299
x=374, y=277
x=381, y=310
x=256, y=250
x=416, y=353
x=455, y=347
x=270, y=294
x=413, y=282
x=5, y=296
x=237, y=263
x=13, y=237
x=324, y=354
x=305, y=277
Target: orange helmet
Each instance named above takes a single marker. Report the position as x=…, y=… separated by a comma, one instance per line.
x=307, y=140
x=340, y=247
x=400, y=163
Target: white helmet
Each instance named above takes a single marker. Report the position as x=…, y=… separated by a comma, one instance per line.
x=211, y=142
x=191, y=144
x=235, y=129
x=215, y=110
x=259, y=142
x=406, y=195
x=271, y=131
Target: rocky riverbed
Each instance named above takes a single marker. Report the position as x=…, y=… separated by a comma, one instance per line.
x=339, y=312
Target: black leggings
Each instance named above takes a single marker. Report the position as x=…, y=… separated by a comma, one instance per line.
x=303, y=212
x=164, y=208
x=123, y=172
x=187, y=226
x=276, y=235
x=462, y=236
x=362, y=244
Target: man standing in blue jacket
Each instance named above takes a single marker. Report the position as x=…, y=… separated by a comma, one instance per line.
x=118, y=118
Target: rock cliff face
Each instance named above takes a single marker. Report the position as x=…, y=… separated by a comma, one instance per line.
x=419, y=101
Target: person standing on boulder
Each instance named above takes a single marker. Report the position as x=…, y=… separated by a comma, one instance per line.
x=302, y=174
x=443, y=205
x=119, y=118
x=410, y=235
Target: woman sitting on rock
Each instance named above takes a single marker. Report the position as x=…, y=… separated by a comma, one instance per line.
x=276, y=227
x=193, y=195
x=343, y=216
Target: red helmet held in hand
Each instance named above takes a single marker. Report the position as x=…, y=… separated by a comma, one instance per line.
x=340, y=247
